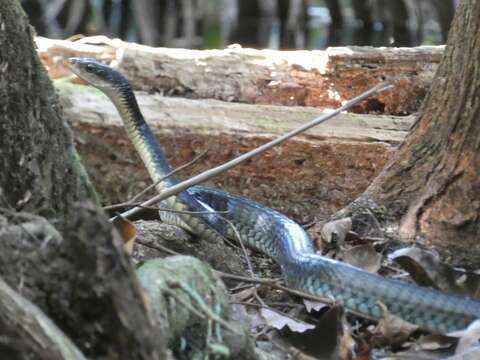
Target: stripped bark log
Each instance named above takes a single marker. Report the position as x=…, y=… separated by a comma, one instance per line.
x=323, y=169
x=312, y=78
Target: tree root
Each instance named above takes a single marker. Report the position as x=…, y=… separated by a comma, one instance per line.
x=189, y=299
x=27, y=333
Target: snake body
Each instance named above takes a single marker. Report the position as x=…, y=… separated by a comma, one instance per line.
x=276, y=235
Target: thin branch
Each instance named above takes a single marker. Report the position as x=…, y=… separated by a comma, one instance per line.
x=158, y=247
x=175, y=189
x=119, y=206
x=131, y=202
x=274, y=285
x=242, y=246
x=268, y=306
x=201, y=304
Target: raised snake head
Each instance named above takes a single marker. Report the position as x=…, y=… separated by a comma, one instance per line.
x=99, y=75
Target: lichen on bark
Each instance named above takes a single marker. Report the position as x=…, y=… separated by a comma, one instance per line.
x=39, y=167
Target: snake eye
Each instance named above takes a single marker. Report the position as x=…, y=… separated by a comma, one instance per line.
x=89, y=68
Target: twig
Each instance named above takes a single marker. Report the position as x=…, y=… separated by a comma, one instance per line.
x=117, y=206
x=268, y=306
x=175, y=189
x=242, y=246
x=131, y=202
x=247, y=258
x=203, y=307
x=273, y=284
x=158, y=247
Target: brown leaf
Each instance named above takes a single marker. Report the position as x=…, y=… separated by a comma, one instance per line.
x=364, y=257
x=279, y=321
x=393, y=328
x=336, y=231
x=243, y=295
x=426, y=269
x=330, y=339
x=127, y=232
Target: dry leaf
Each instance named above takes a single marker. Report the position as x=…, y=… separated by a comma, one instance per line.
x=243, y=295
x=436, y=342
x=427, y=270
x=279, y=321
x=330, y=339
x=472, y=353
x=313, y=305
x=336, y=231
x=393, y=328
x=364, y=257
x=239, y=314
x=127, y=232
x=469, y=338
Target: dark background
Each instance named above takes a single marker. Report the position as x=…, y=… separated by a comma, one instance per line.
x=277, y=24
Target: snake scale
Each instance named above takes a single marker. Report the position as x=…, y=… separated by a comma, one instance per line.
x=276, y=235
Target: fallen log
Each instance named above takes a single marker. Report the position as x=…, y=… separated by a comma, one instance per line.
x=324, y=168
x=309, y=78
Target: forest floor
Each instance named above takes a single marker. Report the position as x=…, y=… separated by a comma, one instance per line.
x=309, y=179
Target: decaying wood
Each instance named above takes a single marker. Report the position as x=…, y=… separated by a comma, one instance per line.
x=312, y=78
x=27, y=333
x=328, y=166
x=80, y=277
x=89, y=106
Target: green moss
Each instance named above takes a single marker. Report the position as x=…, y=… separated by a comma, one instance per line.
x=358, y=120
x=266, y=123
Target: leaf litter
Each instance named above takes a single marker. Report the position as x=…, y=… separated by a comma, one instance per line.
x=317, y=330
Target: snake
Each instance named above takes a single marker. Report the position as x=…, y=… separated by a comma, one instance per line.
x=274, y=234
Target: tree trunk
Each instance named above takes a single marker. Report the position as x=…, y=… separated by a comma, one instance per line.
x=76, y=272
x=399, y=21
x=148, y=14
x=433, y=180
x=39, y=167
x=445, y=10
x=363, y=13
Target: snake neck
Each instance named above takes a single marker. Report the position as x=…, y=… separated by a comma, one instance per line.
x=142, y=137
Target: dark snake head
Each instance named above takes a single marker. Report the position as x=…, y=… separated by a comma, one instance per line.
x=99, y=75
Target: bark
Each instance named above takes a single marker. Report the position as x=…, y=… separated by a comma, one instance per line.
x=39, y=167
x=28, y=333
x=433, y=180
x=307, y=78
x=79, y=276
x=74, y=270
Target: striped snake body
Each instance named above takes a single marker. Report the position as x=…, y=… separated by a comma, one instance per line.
x=276, y=235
